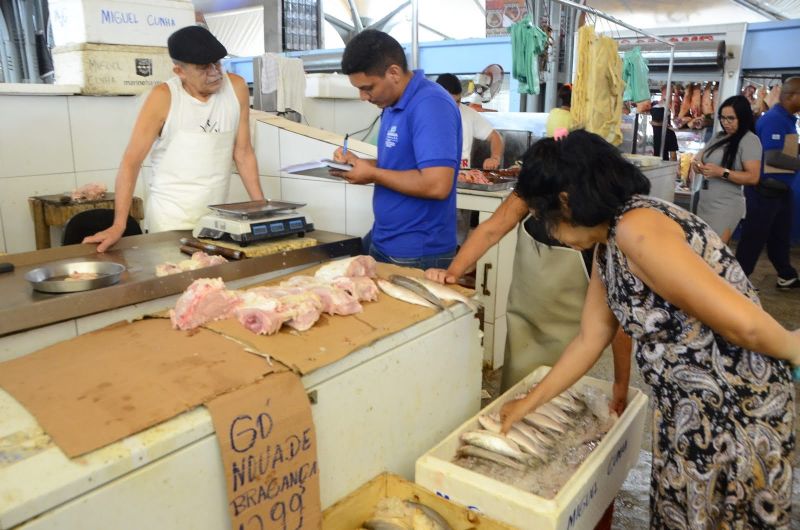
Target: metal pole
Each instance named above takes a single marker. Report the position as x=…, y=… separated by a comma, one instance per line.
x=533, y=99
x=551, y=80
x=615, y=20
x=356, y=16
x=668, y=103
x=414, y=34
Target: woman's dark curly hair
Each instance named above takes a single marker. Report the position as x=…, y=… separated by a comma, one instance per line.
x=594, y=174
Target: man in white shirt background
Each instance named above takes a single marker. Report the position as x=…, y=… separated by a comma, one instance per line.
x=474, y=126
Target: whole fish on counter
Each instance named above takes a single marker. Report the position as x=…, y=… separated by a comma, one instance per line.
x=417, y=288
x=401, y=293
x=441, y=292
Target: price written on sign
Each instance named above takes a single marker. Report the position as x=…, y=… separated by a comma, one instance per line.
x=269, y=452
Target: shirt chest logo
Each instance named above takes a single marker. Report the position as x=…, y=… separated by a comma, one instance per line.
x=391, y=137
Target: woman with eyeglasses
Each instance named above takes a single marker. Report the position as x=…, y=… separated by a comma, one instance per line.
x=718, y=364
x=732, y=160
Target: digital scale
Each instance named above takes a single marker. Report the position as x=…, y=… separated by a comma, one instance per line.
x=248, y=222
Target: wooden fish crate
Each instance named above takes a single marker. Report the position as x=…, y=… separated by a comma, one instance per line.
x=357, y=507
x=579, y=504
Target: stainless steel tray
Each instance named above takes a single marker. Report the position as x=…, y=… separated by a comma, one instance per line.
x=53, y=278
x=498, y=184
x=254, y=209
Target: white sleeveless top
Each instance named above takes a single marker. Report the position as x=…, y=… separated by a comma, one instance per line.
x=186, y=113
x=192, y=158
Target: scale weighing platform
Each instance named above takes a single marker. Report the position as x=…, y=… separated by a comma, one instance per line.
x=247, y=222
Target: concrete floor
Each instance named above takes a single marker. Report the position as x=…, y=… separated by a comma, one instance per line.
x=632, y=504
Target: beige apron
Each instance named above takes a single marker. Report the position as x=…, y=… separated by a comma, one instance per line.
x=195, y=171
x=544, y=305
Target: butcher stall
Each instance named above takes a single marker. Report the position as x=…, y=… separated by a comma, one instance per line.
x=384, y=385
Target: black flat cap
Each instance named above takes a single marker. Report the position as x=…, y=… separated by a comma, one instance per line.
x=195, y=45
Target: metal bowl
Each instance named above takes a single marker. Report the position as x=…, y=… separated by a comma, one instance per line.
x=52, y=278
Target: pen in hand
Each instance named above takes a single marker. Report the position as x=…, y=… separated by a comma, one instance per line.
x=344, y=145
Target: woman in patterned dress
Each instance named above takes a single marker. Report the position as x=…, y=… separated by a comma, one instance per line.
x=718, y=364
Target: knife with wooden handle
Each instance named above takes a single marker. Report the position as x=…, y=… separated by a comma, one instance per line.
x=212, y=249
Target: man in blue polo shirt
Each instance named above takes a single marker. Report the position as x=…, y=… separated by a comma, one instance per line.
x=770, y=203
x=419, y=150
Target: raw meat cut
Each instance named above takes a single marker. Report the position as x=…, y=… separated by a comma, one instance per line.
x=198, y=260
x=355, y=266
x=261, y=314
x=88, y=192
x=205, y=300
x=363, y=288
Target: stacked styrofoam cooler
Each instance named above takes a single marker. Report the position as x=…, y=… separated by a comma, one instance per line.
x=579, y=504
x=115, y=47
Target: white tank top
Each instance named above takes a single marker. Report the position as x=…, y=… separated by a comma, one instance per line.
x=219, y=114
x=192, y=159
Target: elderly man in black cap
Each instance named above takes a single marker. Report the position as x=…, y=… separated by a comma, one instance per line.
x=197, y=125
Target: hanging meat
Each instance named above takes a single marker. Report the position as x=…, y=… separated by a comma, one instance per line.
x=706, y=105
x=759, y=106
x=683, y=114
x=774, y=95
x=697, y=95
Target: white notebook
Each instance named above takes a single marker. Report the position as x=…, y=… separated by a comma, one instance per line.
x=318, y=168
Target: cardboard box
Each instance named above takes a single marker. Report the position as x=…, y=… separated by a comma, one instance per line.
x=133, y=22
x=351, y=511
x=111, y=70
x=579, y=504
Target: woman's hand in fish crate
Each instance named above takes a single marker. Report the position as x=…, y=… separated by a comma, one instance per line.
x=514, y=410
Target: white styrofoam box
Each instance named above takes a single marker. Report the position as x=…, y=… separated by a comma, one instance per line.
x=34, y=136
x=355, y=115
x=330, y=86
x=14, y=193
x=101, y=128
x=139, y=22
x=321, y=114
x=579, y=504
x=109, y=69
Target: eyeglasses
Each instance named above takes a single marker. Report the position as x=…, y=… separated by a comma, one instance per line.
x=210, y=68
x=727, y=118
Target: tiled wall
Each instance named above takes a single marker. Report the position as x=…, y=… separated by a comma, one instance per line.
x=52, y=144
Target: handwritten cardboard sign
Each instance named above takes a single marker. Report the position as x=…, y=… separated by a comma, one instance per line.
x=269, y=451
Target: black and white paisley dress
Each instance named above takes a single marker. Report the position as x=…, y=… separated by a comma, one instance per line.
x=723, y=429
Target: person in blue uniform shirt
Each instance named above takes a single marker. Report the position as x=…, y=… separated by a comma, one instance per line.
x=419, y=151
x=770, y=204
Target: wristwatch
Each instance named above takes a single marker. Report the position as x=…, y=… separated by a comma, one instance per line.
x=726, y=174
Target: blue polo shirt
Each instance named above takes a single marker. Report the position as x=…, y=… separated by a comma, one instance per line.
x=421, y=130
x=772, y=129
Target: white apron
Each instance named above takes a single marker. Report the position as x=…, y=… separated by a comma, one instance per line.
x=544, y=306
x=194, y=172
x=192, y=165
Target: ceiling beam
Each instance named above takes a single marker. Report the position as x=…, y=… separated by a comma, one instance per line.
x=759, y=8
